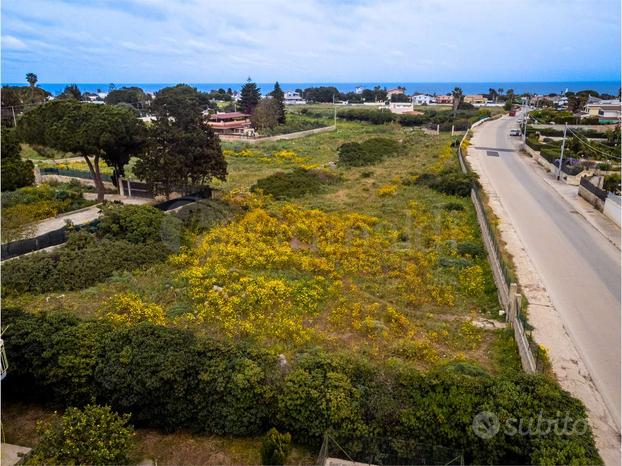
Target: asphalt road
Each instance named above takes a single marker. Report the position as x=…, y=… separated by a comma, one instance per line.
x=579, y=267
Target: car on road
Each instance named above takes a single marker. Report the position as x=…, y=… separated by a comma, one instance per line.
x=515, y=132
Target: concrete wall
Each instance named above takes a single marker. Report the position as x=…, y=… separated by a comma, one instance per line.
x=591, y=198
x=280, y=137
x=613, y=208
x=601, y=128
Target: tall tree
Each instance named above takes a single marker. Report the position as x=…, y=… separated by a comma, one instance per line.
x=182, y=103
x=279, y=97
x=72, y=91
x=249, y=96
x=493, y=94
x=182, y=152
x=266, y=114
x=32, y=82
x=16, y=172
x=458, y=96
x=96, y=132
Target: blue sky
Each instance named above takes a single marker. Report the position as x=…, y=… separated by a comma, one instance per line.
x=310, y=40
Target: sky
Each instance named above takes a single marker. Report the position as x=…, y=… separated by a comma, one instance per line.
x=199, y=41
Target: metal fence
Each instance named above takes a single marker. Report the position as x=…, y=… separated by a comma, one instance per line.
x=385, y=451
x=60, y=236
x=595, y=190
x=83, y=174
x=532, y=357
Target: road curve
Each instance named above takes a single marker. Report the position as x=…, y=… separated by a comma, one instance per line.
x=579, y=267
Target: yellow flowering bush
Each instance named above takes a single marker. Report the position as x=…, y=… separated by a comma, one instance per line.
x=472, y=279
x=129, y=308
x=387, y=190
x=289, y=274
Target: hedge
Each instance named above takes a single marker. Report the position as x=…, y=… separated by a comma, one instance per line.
x=172, y=379
x=371, y=151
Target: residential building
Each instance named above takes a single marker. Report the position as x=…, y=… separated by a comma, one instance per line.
x=358, y=90
x=395, y=91
x=293, y=98
x=444, y=99
x=231, y=123
x=607, y=111
x=422, y=99
x=475, y=99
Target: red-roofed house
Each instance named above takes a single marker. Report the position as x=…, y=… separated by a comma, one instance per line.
x=231, y=123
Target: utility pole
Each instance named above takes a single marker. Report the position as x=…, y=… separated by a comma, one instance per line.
x=561, y=158
x=525, y=115
x=334, y=111
x=14, y=119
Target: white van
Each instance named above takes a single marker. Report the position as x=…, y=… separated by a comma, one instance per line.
x=515, y=132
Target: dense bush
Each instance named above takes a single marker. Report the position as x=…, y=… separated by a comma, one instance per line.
x=169, y=378
x=82, y=262
x=16, y=172
x=134, y=223
x=94, y=435
x=297, y=183
x=448, y=182
x=275, y=447
x=355, y=154
x=373, y=116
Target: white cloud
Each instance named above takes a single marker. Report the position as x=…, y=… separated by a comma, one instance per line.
x=13, y=43
x=311, y=40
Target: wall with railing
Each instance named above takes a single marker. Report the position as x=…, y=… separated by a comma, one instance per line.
x=511, y=301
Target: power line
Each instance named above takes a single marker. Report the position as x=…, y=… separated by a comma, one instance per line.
x=589, y=144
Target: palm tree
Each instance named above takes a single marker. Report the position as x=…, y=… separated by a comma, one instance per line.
x=32, y=81
x=457, y=94
x=493, y=94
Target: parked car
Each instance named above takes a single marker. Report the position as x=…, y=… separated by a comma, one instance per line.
x=515, y=132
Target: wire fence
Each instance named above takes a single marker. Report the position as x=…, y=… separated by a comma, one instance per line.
x=532, y=356
x=73, y=173
x=385, y=451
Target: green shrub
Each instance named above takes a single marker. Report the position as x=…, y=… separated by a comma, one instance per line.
x=297, y=183
x=612, y=183
x=275, y=447
x=453, y=206
x=471, y=249
x=16, y=173
x=371, y=151
x=373, y=116
x=134, y=223
x=172, y=379
x=78, y=264
x=94, y=435
x=448, y=182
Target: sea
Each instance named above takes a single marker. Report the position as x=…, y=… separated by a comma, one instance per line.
x=608, y=87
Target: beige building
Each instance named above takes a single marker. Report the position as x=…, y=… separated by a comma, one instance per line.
x=444, y=99
x=475, y=99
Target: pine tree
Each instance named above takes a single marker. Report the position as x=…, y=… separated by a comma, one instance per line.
x=249, y=96
x=279, y=96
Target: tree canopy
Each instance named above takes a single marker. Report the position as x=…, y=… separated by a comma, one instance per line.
x=182, y=152
x=105, y=132
x=181, y=102
x=278, y=96
x=134, y=96
x=72, y=91
x=16, y=173
x=267, y=113
x=249, y=96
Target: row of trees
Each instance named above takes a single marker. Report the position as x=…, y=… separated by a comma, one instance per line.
x=179, y=152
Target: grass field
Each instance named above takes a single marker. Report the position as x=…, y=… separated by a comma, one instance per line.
x=371, y=263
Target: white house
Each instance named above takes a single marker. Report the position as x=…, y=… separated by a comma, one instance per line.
x=422, y=99
x=293, y=98
x=358, y=90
